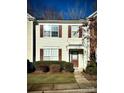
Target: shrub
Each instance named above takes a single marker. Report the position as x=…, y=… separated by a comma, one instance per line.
x=43, y=68
x=30, y=67
x=92, y=68
x=48, y=63
x=68, y=67
x=55, y=68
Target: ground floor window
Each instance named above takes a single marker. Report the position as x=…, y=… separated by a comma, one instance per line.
x=50, y=54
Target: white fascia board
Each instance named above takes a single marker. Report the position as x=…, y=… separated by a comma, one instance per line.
x=30, y=17
x=92, y=15
x=60, y=24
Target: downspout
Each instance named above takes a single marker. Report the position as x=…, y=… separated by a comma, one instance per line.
x=34, y=40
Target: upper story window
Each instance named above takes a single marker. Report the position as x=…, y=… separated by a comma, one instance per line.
x=51, y=31
x=74, y=31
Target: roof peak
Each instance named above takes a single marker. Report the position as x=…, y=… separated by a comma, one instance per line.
x=30, y=17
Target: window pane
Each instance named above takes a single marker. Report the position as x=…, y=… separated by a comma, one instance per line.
x=51, y=54
x=46, y=57
x=74, y=34
x=47, y=27
x=54, y=52
x=54, y=28
x=54, y=58
x=74, y=57
x=46, y=34
x=47, y=52
x=54, y=34
x=75, y=28
x=51, y=30
x=74, y=31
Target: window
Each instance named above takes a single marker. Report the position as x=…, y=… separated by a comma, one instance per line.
x=50, y=54
x=74, y=30
x=75, y=55
x=51, y=31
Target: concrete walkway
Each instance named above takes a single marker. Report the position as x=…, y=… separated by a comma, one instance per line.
x=83, y=82
x=80, y=78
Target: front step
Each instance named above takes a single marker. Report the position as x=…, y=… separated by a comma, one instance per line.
x=76, y=69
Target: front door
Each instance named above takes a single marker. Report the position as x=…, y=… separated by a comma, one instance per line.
x=74, y=58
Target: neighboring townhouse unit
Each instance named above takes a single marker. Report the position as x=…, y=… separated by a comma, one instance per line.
x=92, y=22
x=58, y=40
x=30, y=28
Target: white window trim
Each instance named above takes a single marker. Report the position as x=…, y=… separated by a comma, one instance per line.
x=72, y=36
x=50, y=55
x=50, y=32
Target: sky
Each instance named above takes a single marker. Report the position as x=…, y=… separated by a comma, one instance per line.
x=37, y=7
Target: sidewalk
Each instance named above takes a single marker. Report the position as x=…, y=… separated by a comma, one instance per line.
x=67, y=91
x=83, y=82
x=82, y=86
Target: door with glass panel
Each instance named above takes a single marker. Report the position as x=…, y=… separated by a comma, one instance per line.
x=74, y=58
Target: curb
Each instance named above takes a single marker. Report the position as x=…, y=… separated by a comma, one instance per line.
x=94, y=90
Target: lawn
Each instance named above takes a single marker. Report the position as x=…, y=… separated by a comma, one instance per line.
x=50, y=78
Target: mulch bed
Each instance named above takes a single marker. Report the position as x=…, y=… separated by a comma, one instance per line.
x=90, y=77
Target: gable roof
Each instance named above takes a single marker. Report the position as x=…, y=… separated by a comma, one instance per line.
x=92, y=15
x=29, y=17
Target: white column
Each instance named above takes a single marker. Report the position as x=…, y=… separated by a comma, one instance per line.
x=86, y=47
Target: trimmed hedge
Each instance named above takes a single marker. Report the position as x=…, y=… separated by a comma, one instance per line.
x=92, y=68
x=55, y=68
x=43, y=68
x=66, y=66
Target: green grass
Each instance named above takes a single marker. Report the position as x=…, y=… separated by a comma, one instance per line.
x=50, y=78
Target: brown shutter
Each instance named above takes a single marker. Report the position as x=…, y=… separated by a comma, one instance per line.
x=41, y=54
x=60, y=31
x=41, y=30
x=60, y=55
x=80, y=32
x=69, y=31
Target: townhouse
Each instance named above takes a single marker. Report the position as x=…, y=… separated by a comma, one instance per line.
x=59, y=40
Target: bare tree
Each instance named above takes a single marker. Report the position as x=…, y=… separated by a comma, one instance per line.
x=93, y=37
x=51, y=14
x=92, y=27
x=78, y=12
